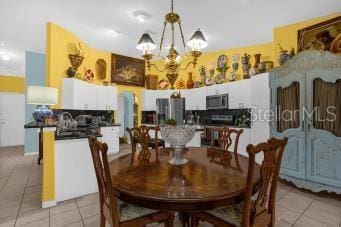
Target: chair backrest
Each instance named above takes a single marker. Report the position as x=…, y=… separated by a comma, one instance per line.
x=226, y=137
x=108, y=204
x=263, y=207
x=140, y=135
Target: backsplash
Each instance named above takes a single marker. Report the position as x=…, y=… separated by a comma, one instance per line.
x=106, y=116
x=205, y=116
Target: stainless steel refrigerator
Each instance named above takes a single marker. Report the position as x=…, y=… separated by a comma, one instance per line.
x=170, y=108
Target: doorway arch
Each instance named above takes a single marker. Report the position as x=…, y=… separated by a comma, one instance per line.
x=126, y=112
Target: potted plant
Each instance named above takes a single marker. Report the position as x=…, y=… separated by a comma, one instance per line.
x=171, y=121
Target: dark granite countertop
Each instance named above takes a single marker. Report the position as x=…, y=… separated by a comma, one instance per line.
x=76, y=137
x=109, y=125
x=34, y=124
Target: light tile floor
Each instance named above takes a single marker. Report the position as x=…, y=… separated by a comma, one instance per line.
x=20, y=200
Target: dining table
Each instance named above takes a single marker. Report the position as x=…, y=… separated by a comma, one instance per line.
x=201, y=184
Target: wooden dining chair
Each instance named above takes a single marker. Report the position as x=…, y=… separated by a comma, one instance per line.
x=140, y=134
x=114, y=211
x=226, y=138
x=258, y=212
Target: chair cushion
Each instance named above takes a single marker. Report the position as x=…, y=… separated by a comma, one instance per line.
x=130, y=211
x=231, y=214
x=161, y=142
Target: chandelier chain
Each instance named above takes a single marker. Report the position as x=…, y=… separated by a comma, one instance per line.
x=162, y=37
x=182, y=36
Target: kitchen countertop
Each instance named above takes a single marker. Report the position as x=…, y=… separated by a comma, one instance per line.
x=76, y=137
x=109, y=125
x=201, y=126
x=34, y=124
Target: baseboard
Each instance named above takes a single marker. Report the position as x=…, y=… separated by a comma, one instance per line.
x=50, y=203
x=30, y=153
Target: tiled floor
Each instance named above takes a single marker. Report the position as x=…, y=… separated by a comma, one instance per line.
x=20, y=200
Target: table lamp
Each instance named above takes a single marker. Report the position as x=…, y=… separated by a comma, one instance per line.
x=42, y=96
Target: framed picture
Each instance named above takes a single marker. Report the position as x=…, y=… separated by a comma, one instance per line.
x=322, y=36
x=127, y=70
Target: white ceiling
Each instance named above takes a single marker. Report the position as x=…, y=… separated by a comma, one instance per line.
x=225, y=23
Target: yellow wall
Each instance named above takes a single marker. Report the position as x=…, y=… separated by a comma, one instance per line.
x=59, y=46
x=48, y=191
x=287, y=35
x=13, y=84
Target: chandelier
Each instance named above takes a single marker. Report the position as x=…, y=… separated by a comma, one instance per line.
x=172, y=62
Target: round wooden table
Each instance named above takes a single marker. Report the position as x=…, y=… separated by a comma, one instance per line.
x=198, y=185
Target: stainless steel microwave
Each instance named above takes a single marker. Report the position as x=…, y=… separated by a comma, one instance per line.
x=217, y=101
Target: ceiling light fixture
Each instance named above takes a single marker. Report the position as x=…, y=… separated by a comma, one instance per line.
x=172, y=61
x=140, y=18
x=5, y=57
x=140, y=15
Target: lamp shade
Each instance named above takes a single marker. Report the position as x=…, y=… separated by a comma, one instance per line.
x=146, y=43
x=40, y=95
x=197, y=41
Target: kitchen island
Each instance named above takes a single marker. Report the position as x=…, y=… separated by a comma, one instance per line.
x=68, y=170
x=74, y=170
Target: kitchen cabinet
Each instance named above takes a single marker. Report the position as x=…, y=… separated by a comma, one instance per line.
x=218, y=89
x=12, y=118
x=80, y=95
x=111, y=138
x=239, y=94
x=195, y=99
x=107, y=98
x=149, y=100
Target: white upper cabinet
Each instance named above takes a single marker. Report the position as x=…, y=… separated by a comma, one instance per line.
x=149, y=100
x=107, y=97
x=239, y=94
x=260, y=91
x=80, y=95
x=217, y=89
x=195, y=98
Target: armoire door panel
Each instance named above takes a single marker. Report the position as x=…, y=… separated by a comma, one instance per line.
x=323, y=145
x=325, y=159
x=293, y=162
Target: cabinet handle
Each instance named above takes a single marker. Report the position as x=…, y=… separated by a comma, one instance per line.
x=308, y=127
x=303, y=126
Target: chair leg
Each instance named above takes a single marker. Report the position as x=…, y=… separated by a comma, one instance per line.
x=102, y=220
x=194, y=222
x=170, y=221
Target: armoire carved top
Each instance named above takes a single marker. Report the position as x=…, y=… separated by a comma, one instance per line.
x=306, y=61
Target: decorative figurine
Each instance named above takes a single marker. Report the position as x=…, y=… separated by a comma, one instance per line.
x=257, y=60
x=202, y=72
x=211, y=69
x=283, y=54
x=235, y=65
x=246, y=66
x=222, y=67
x=190, y=82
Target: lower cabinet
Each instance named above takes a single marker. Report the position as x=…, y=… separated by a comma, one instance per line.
x=111, y=138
